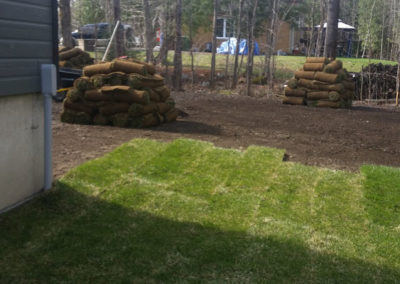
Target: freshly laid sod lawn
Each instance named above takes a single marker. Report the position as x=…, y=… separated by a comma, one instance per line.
x=187, y=211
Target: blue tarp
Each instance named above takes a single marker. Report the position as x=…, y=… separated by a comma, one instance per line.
x=229, y=46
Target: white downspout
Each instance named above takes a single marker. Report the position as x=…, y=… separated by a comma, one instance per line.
x=49, y=88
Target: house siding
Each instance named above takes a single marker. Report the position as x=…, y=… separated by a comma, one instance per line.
x=26, y=42
x=283, y=42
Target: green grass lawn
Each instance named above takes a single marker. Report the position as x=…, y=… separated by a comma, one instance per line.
x=286, y=65
x=187, y=211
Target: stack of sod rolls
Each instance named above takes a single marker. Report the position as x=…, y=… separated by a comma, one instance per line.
x=124, y=93
x=74, y=58
x=321, y=83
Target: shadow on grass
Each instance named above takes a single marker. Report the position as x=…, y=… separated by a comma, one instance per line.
x=66, y=236
x=191, y=127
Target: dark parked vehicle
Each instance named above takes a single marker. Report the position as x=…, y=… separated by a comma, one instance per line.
x=102, y=31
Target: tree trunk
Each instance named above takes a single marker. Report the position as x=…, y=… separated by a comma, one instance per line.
x=165, y=36
x=120, y=46
x=235, y=68
x=332, y=28
x=148, y=31
x=191, y=42
x=227, y=64
x=178, y=47
x=311, y=40
x=318, y=45
x=369, y=29
x=250, y=57
x=382, y=35
x=65, y=16
x=214, y=46
x=398, y=79
x=270, y=42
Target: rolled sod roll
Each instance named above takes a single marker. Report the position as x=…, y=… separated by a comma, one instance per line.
x=170, y=101
x=101, y=68
x=295, y=92
x=69, y=116
x=153, y=95
x=94, y=104
x=324, y=95
x=306, y=83
x=171, y=115
x=151, y=69
x=349, y=85
x=163, y=107
x=312, y=103
x=74, y=95
x=83, y=83
x=114, y=108
x=160, y=118
x=68, y=54
x=97, y=80
x=126, y=94
x=136, y=110
x=78, y=107
x=115, y=78
x=334, y=66
x=78, y=60
x=334, y=96
x=128, y=67
x=323, y=60
x=321, y=95
x=115, y=90
x=327, y=87
x=100, y=119
x=150, y=120
x=63, y=48
x=150, y=108
x=313, y=66
x=65, y=63
x=86, y=56
x=120, y=119
x=327, y=77
x=292, y=83
x=293, y=100
x=164, y=92
x=97, y=96
x=323, y=103
x=304, y=75
x=348, y=94
x=344, y=74
x=138, y=81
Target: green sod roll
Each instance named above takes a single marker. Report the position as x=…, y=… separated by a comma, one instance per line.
x=295, y=92
x=334, y=66
x=293, y=100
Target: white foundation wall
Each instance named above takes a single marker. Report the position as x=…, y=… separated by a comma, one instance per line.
x=21, y=148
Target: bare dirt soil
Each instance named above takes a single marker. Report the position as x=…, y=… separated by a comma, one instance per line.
x=333, y=138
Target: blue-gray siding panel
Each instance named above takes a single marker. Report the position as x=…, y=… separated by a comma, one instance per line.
x=25, y=49
x=21, y=67
x=19, y=85
x=17, y=11
x=44, y=3
x=26, y=42
x=24, y=31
